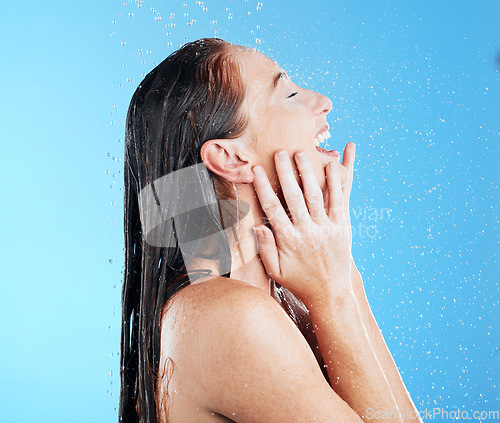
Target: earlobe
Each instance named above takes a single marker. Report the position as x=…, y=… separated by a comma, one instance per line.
x=221, y=157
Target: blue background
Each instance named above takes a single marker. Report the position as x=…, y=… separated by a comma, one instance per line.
x=415, y=84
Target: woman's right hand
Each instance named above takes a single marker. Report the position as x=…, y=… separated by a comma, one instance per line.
x=309, y=253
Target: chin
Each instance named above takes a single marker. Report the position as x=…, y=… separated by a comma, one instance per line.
x=325, y=157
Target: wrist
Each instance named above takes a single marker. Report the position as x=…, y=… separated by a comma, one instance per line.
x=336, y=306
x=339, y=328
x=357, y=283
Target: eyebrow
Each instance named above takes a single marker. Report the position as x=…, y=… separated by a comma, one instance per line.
x=278, y=76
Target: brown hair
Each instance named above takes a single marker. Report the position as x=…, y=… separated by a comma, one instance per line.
x=193, y=96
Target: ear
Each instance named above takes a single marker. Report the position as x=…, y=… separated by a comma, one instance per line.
x=221, y=156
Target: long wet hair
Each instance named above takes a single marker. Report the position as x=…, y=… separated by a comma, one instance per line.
x=193, y=96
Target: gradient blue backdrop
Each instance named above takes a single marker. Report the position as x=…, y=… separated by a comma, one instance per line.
x=415, y=84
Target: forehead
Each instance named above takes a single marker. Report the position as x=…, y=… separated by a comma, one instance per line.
x=256, y=68
x=258, y=73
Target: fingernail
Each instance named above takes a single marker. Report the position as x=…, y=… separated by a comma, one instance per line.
x=257, y=171
x=282, y=155
x=301, y=156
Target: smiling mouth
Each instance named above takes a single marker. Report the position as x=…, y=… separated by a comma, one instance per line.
x=321, y=137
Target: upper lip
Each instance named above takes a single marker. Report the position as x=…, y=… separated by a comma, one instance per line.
x=324, y=128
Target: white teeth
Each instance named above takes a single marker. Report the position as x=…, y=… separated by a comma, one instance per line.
x=321, y=138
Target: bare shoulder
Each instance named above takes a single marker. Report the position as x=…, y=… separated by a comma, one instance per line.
x=219, y=311
x=220, y=297
x=220, y=291
x=239, y=355
x=217, y=305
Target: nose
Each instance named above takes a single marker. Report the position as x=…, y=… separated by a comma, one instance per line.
x=319, y=103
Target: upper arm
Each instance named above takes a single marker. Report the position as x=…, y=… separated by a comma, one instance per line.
x=254, y=365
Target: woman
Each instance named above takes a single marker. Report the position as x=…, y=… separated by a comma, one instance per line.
x=241, y=301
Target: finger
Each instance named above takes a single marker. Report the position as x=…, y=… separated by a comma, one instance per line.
x=269, y=202
x=312, y=192
x=349, y=156
x=291, y=191
x=335, y=197
x=348, y=162
x=268, y=251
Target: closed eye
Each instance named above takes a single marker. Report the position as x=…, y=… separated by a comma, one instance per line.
x=292, y=95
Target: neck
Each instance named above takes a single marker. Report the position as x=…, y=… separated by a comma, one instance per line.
x=246, y=265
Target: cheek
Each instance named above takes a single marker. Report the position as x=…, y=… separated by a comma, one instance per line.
x=294, y=127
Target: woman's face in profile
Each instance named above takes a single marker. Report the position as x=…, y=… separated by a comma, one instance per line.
x=283, y=116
